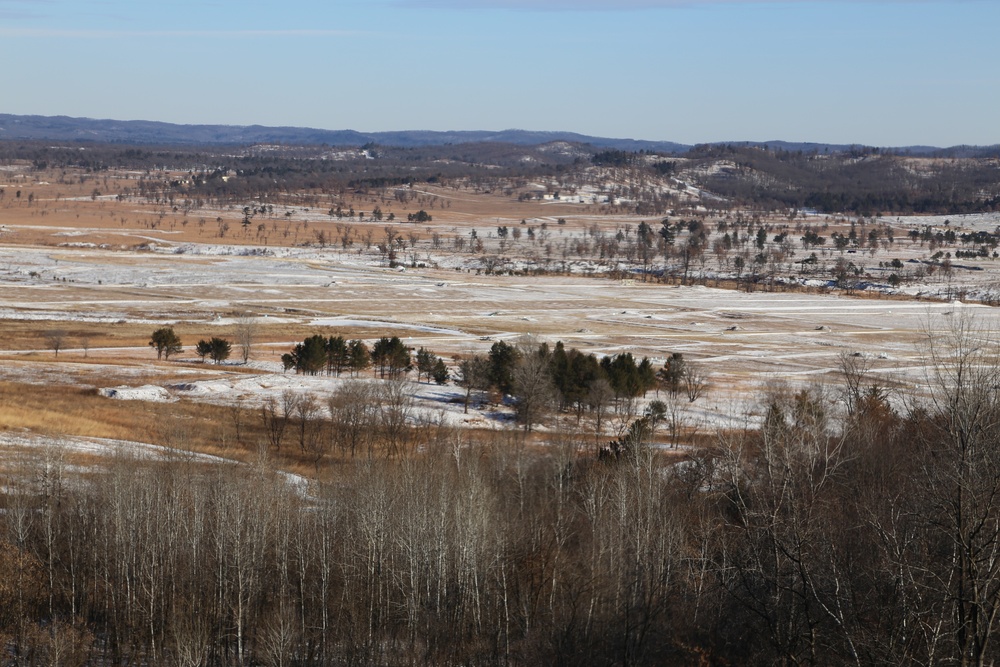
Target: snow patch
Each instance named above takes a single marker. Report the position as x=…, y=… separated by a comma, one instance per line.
x=147, y=392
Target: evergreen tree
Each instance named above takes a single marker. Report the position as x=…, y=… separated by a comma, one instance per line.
x=337, y=355
x=672, y=373
x=203, y=349
x=503, y=358
x=359, y=356
x=219, y=349
x=310, y=355
x=667, y=232
x=391, y=357
x=440, y=372
x=165, y=342
x=426, y=361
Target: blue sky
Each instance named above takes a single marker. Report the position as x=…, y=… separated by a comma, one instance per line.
x=844, y=71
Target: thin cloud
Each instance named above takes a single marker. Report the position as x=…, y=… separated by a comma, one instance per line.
x=19, y=10
x=213, y=34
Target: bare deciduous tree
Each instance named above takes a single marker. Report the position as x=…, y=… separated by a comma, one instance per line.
x=85, y=339
x=55, y=339
x=599, y=397
x=473, y=375
x=307, y=414
x=246, y=334
x=275, y=416
x=532, y=383
x=695, y=381
x=395, y=401
x=353, y=416
x=855, y=369
x=964, y=480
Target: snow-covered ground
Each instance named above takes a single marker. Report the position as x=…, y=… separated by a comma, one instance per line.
x=979, y=222
x=32, y=451
x=744, y=341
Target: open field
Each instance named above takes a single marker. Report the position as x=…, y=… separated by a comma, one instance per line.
x=100, y=273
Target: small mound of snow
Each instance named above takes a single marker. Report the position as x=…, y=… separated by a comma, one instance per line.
x=149, y=392
x=202, y=388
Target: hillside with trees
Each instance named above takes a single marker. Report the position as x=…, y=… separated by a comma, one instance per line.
x=855, y=180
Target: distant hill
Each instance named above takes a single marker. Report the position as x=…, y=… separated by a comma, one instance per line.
x=65, y=128
x=930, y=151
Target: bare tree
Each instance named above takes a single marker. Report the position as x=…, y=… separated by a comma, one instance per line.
x=599, y=397
x=673, y=417
x=275, y=416
x=353, y=416
x=246, y=334
x=279, y=638
x=307, y=413
x=533, y=388
x=964, y=481
x=395, y=402
x=85, y=339
x=695, y=382
x=855, y=370
x=473, y=375
x=237, y=415
x=55, y=339
x=781, y=481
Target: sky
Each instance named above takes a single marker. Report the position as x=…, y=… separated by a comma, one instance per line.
x=882, y=73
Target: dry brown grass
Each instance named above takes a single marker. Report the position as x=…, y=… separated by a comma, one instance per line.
x=62, y=201
x=185, y=425
x=56, y=410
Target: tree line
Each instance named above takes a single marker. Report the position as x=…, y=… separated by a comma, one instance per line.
x=539, y=378
x=388, y=357
x=860, y=182
x=534, y=376
x=167, y=343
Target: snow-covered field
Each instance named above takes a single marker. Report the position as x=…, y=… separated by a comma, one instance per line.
x=24, y=452
x=979, y=222
x=743, y=341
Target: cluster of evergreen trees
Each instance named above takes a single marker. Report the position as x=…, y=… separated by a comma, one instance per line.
x=389, y=358
x=166, y=343
x=333, y=355
x=217, y=349
x=537, y=376
x=576, y=375
x=573, y=372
